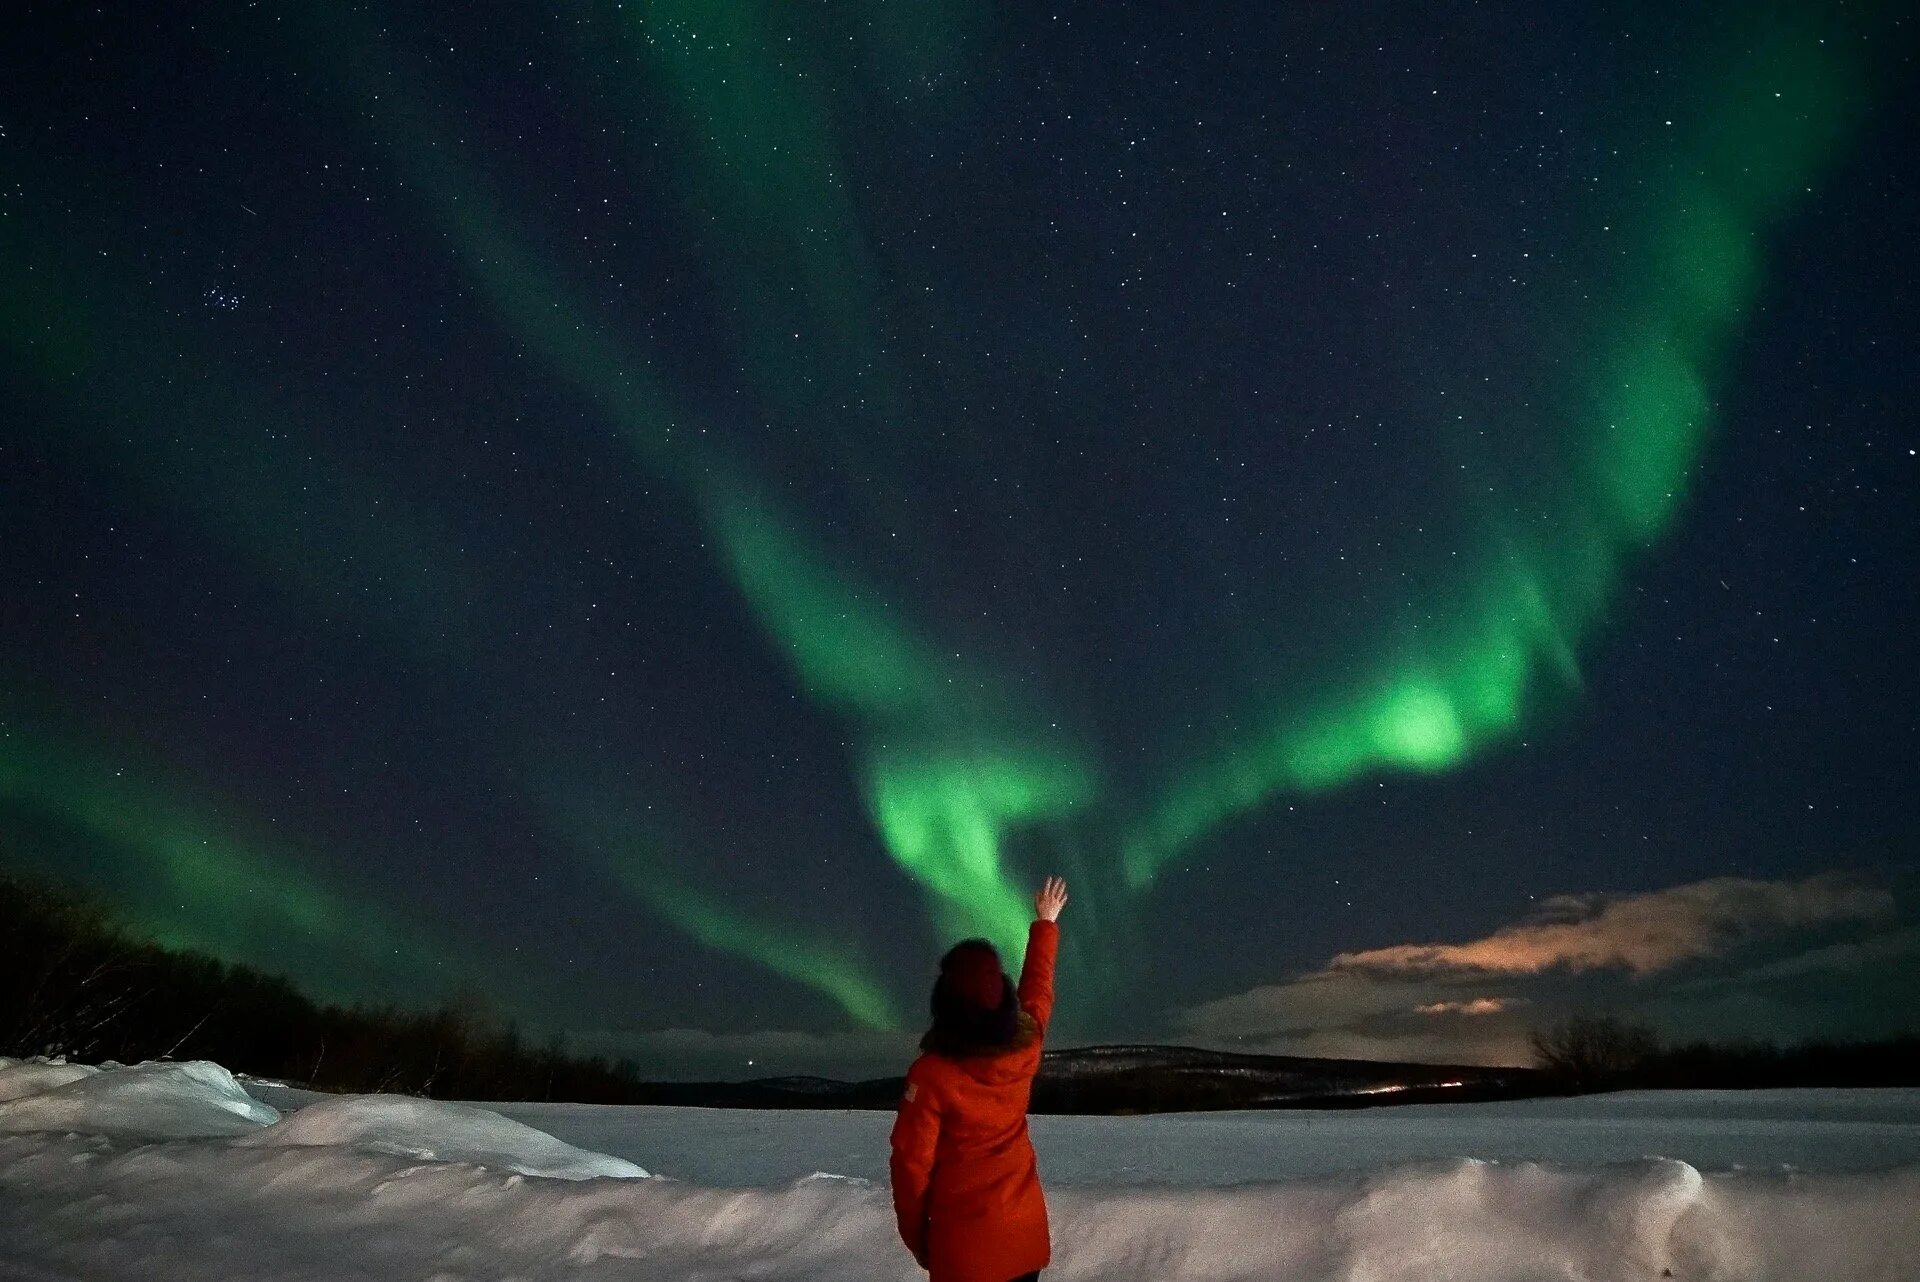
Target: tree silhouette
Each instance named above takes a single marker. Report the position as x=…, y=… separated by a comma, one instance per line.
x=1589, y=1052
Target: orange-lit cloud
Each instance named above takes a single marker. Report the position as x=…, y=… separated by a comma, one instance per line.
x=1471, y=1006
x=1474, y=1002
x=1640, y=933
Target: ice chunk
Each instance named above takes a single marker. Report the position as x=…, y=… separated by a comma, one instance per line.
x=154, y=1101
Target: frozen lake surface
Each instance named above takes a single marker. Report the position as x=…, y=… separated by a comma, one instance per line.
x=1815, y=1130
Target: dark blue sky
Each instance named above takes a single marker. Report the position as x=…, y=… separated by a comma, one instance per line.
x=664, y=515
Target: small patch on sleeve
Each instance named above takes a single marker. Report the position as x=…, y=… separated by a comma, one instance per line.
x=913, y=1091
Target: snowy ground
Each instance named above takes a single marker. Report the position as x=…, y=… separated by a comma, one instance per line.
x=175, y=1172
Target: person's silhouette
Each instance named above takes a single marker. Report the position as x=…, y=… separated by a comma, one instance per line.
x=966, y=1188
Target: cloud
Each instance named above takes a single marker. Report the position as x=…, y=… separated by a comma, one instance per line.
x=1473, y=1002
x=1349, y=1015
x=1471, y=1006
x=1848, y=957
x=1866, y=987
x=1640, y=933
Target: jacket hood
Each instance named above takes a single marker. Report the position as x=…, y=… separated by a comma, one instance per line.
x=984, y=1061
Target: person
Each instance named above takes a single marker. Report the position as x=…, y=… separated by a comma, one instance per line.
x=966, y=1189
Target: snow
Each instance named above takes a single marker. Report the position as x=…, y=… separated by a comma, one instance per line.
x=147, y=1101
x=33, y=1077
x=437, y=1132
x=103, y=1176
x=1823, y=1130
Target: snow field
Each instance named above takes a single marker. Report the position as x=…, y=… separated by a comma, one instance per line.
x=1812, y=1130
x=98, y=1180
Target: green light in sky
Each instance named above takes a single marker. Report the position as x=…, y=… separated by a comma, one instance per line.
x=183, y=877
x=750, y=91
x=786, y=952
x=950, y=771
x=970, y=780
x=625, y=844
x=845, y=643
x=954, y=760
x=946, y=816
x=1492, y=648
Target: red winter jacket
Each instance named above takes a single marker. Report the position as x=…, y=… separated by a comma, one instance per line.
x=965, y=1187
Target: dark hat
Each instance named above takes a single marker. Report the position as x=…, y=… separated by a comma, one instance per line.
x=971, y=972
x=975, y=1011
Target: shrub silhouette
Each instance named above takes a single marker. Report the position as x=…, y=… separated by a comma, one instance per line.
x=1589, y=1052
x=1592, y=1052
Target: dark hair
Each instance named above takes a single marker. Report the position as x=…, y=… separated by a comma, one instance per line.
x=959, y=1026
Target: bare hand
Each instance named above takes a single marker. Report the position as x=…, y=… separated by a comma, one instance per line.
x=1050, y=899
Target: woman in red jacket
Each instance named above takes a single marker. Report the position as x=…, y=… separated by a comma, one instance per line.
x=965, y=1187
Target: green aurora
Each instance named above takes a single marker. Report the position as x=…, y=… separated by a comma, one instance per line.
x=1496, y=646
x=190, y=876
x=973, y=773
x=950, y=770
x=628, y=841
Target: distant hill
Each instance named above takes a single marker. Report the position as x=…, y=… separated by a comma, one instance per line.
x=1151, y=1079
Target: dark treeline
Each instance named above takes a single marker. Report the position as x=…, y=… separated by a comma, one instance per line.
x=76, y=984
x=1609, y=1052
x=1895, y=1062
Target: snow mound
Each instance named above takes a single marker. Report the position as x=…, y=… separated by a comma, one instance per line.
x=439, y=1132
x=19, y=1079
x=251, y=1210
x=155, y=1101
x=1468, y=1220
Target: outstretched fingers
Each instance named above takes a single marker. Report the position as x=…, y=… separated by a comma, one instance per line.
x=1050, y=899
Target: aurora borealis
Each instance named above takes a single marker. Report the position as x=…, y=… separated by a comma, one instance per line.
x=661, y=515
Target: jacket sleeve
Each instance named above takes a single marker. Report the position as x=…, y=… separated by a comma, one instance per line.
x=1036, y=973
x=916, y=1134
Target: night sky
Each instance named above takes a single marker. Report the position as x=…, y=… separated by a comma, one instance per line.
x=652, y=519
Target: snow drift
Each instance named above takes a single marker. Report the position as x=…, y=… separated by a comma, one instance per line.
x=436, y=1131
x=147, y=1101
x=378, y=1187
x=33, y=1077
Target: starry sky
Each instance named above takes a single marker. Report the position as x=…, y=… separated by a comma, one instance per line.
x=653, y=518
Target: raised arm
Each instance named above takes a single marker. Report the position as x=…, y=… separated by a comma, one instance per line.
x=1043, y=942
